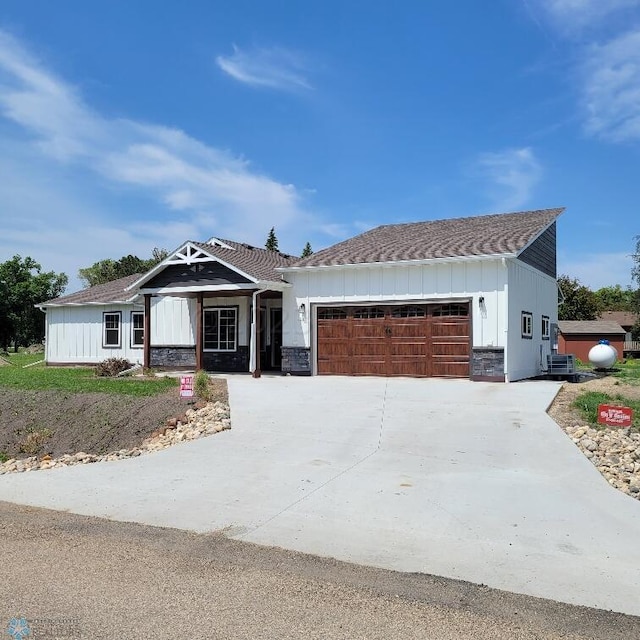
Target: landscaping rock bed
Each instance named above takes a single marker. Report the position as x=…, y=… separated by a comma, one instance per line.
x=204, y=420
x=615, y=452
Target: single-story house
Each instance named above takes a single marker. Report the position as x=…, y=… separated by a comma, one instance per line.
x=579, y=336
x=468, y=297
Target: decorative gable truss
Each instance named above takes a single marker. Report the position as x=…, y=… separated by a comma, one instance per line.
x=188, y=254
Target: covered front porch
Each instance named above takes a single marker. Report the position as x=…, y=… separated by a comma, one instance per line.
x=231, y=331
x=214, y=306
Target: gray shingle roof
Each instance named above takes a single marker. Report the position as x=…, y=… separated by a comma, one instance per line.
x=113, y=291
x=506, y=233
x=599, y=327
x=623, y=318
x=258, y=263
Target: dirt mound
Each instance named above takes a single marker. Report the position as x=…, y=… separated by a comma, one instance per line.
x=54, y=422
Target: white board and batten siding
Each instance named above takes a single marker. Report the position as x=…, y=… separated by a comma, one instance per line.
x=75, y=334
x=173, y=319
x=532, y=291
x=444, y=281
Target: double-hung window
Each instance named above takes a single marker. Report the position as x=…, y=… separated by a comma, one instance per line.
x=527, y=325
x=545, y=327
x=220, y=329
x=137, y=328
x=111, y=323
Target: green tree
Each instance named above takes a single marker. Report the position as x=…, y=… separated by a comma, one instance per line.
x=272, y=241
x=615, y=298
x=307, y=251
x=108, y=270
x=23, y=284
x=580, y=303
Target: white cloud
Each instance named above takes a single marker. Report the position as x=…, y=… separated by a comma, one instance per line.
x=606, y=40
x=596, y=270
x=192, y=186
x=612, y=88
x=571, y=16
x=509, y=176
x=275, y=68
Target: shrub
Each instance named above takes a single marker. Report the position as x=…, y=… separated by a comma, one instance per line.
x=201, y=386
x=112, y=367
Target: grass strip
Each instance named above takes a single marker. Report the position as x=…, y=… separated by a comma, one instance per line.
x=80, y=380
x=588, y=404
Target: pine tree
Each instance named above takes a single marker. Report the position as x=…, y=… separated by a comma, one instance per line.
x=272, y=242
x=307, y=251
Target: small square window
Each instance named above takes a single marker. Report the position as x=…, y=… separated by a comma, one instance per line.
x=111, y=329
x=527, y=325
x=545, y=327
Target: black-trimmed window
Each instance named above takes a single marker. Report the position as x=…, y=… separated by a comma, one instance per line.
x=220, y=328
x=111, y=327
x=526, y=324
x=137, y=328
x=546, y=328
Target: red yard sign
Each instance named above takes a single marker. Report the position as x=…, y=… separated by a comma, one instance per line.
x=186, y=386
x=614, y=416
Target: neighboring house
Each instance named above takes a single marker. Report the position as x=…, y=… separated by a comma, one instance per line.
x=579, y=336
x=626, y=319
x=468, y=297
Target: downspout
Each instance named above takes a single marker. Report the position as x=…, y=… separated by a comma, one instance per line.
x=253, y=356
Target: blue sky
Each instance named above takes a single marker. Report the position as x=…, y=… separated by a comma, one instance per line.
x=131, y=125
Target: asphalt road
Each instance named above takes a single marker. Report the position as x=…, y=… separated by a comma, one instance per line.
x=84, y=577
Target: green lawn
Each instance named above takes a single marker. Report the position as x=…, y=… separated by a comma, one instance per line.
x=75, y=379
x=21, y=359
x=588, y=404
x=629, y=372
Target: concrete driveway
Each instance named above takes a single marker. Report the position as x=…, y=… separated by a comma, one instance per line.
x=460, y=479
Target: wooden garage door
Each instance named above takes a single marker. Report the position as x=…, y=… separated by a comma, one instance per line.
x=394, y=340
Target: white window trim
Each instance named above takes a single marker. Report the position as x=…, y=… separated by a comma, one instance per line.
x=133, y=330
x=546, y=328
x=104, y=330
x=528, y=316
x=235, y=338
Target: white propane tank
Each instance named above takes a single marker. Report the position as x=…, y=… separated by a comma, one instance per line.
x=603, y=355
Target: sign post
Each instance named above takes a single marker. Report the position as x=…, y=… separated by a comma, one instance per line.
x=615, y=416
x=186, y=386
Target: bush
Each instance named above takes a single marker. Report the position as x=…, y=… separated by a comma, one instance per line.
x=111, y=367
x=201, y=386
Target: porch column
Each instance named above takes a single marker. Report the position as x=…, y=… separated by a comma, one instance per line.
x=199, y=364
x=146, y=358
x=257, y=372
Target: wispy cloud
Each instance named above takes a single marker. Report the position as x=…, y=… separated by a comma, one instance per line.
x=597, y=270
x=509, y=176
x=606, y=40
x=571, y=16
x=274, y=68
x=195, y=184
x=612, y=88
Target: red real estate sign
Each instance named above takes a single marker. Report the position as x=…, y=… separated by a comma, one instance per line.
x=186, y=386
x=615, y=416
